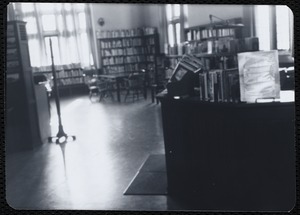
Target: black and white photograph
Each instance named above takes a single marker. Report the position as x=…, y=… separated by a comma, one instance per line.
x=149, y=107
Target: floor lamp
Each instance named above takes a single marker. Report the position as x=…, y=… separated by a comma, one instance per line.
x=61, y=136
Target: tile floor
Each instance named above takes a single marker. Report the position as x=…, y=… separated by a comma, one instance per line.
x=113, y=140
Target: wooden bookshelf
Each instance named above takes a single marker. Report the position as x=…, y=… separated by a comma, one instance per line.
x=69, y=80
x=22, y=128
x=129, y=51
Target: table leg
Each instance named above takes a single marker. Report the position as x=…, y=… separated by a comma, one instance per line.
x=145, y=91
x=118, y=90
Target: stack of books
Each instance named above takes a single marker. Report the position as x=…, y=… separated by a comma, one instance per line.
x=219, y=85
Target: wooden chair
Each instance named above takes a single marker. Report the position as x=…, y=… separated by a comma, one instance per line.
x=99, y=88
x=135, y=85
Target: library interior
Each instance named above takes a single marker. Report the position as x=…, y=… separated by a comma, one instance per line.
x=149, y=107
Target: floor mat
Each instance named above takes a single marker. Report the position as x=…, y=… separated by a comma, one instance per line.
x=151, y=179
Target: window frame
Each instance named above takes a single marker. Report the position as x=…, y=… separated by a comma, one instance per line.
x=174, y=20
x=273, y=29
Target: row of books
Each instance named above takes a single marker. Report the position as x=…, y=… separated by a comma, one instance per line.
x=132, y=42
x=128, y=59
x=219, y=85
x=223, y=62
x=12, y=54
x=121, y=43
x=113, y=69
x=222, y=45
x=70, y=81
x=10, y=31
x=133, y=67
x=128, y=51
x=127, y=68
x=201, y=34
x=69, y=73
x=150, y=41
x=126, y=32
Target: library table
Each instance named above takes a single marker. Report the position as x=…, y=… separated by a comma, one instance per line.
x=230, y=156
x=118, y=77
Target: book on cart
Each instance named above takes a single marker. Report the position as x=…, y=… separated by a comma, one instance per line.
x=259, y=75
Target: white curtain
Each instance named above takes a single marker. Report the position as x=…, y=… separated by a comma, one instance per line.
x=69, y=27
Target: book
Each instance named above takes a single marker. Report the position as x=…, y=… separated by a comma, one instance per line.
x=259, y=75
x=230, y=77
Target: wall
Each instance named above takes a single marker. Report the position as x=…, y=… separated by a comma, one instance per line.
x=154, y=17
x=199, y=14
x=116, y=16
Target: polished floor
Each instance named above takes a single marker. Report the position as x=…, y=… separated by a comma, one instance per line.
x=113, y=140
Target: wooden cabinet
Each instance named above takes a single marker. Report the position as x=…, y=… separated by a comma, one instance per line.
x=230, y=156
x=22, y=131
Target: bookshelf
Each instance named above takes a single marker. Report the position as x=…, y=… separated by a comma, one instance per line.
x=216, y=44
x=69, y=80
x=126, y=51
x=22, y=128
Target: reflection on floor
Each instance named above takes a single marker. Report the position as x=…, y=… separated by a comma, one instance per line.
x=113, y=140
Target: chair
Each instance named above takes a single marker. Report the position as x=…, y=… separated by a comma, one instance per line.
x=157, y=86
x=100, y=88
x=135, y=84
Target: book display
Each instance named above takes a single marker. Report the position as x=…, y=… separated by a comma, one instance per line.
x=128, y=50
x=259, y=75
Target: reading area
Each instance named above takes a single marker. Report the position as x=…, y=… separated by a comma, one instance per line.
x=150, y=107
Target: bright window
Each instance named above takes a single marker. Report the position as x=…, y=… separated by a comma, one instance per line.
x=27, y=7
x=35, y=57
x=31, y=26
x=171, y=35
x=47, y=8
x=174, y=20
x=274, y=22
x=82, y=20
x=262, y=21
x=282, y=27
x=55, y=50
x=49, y=22
x=70, y=23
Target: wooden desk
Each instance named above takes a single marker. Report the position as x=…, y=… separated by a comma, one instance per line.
x=118, y=77
x=225, y=156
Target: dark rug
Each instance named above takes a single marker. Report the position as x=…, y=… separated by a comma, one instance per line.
x=151, y=179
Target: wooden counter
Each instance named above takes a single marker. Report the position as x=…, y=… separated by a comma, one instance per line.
x=228, y=156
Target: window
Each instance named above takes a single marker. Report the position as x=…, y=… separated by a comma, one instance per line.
x=174, y=22
x=68, y=27
x=273, y=27
x=283, y=27
x=55, y=50
x=49, y=23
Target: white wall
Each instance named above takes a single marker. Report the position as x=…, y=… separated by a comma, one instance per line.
x=199, y=14
x=117, y=16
